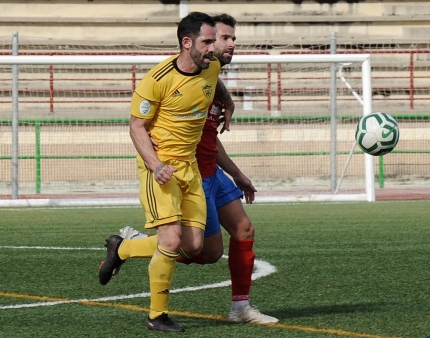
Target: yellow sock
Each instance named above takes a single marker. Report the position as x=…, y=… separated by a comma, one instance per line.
x=138, y=248
x=160, y=271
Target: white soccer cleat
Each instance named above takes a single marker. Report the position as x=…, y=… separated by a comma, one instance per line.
x=250, y=314
x=128, y=232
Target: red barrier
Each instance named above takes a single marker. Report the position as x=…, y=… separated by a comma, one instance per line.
x=412, y=76
x=411, y=89
x=51, y=92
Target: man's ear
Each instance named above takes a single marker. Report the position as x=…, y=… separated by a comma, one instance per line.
x=187, y=42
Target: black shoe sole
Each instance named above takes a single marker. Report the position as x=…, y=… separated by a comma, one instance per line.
x=168, y=326
x=112, y=260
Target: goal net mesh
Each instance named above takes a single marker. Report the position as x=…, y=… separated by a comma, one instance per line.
x=73, y=130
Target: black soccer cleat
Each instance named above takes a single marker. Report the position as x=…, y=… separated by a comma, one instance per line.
x=112, y=260
x=163, y=323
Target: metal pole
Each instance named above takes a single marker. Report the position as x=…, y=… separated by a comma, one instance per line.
x=15, y=146
x=367, y=109
x=183, y=8
x=333, y=116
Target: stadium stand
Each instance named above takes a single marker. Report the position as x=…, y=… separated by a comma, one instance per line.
x=259, y=22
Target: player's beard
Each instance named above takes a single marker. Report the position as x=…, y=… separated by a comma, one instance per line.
x=223, y=59
x=198, y=58
x=224, y=55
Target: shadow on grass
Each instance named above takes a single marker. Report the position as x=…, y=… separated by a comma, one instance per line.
x=328, y=310
x=290, y=313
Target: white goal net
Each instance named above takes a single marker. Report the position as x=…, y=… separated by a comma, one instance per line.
x=292, y=134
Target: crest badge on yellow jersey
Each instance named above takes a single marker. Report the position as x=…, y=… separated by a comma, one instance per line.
x=207, y=90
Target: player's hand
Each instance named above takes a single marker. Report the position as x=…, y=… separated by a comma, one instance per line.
x=226, y=119
x=163, y=173
x=245, y=184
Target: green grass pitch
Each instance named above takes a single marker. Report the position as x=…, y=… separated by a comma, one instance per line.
x=342, y=270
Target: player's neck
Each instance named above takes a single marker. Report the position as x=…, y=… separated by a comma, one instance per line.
x=187, y=65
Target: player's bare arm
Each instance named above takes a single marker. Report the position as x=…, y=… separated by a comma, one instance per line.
x=243, y=182
x=145, y=148
x=224, y=96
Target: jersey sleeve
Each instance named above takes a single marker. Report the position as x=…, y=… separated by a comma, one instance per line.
x=146, y=99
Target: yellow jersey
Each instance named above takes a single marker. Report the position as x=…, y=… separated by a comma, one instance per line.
x=177, y=104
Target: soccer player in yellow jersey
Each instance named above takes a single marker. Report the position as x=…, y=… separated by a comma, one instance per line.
x=224, y=206
x=171, y=103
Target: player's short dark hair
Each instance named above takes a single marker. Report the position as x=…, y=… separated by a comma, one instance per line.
x=225, y=19
x=190, y=25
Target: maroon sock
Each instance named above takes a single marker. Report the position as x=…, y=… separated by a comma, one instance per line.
x=241, y=264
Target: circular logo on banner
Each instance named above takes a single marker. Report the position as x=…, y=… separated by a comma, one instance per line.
x=145, y=107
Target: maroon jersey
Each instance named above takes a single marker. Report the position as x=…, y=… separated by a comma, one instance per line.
x=207, y=149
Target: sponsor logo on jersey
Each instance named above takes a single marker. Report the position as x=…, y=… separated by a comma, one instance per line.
x=176, y=93
x=214, y=113
x=144, y=107
x=195, y=113
x=192, y=115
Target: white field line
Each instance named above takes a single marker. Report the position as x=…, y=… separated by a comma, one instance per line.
x=47, y=248
x=134, y=202
x=69, y=202
x=261, y=269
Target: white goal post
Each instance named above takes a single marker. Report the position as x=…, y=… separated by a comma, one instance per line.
x=246, y=97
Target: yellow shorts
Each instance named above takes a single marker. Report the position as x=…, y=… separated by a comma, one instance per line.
x=180, y=199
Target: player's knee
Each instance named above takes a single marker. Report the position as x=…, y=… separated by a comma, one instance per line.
x=245, y=231
x=171, y=244
x=214, y=255
x=193, y=253
x=192, y=249
x=192, y=242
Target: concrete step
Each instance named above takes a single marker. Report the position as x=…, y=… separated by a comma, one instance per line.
x=274, y=22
